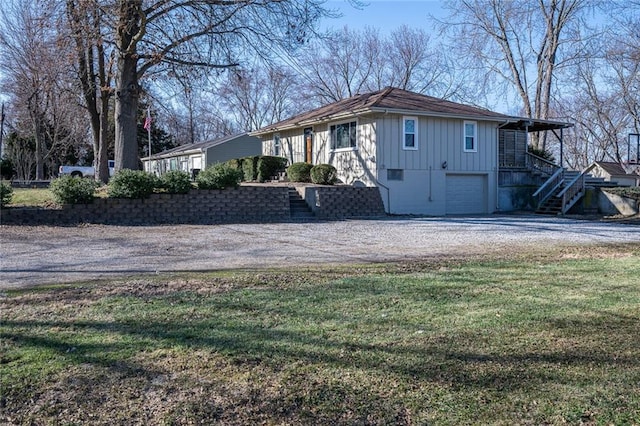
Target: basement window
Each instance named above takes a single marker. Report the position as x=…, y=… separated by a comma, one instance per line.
x=395, y=174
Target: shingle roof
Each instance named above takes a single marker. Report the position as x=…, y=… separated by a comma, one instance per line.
x=390, y=98
x=614, y=169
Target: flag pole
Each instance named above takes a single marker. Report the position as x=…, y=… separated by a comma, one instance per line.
x=148, y=126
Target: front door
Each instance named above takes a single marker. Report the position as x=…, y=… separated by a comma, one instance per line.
x=308, y=145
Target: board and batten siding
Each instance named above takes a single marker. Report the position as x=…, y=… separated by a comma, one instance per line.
x=354, y=166
x=440, y=153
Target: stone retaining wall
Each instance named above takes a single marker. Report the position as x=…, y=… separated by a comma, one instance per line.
x=246, y=204
x=337, y=202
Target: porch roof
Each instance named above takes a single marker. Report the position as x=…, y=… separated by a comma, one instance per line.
x=535, y=124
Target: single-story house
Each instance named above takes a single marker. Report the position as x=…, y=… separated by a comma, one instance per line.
x=192, y=158
x=614, y=172
x=427, y=155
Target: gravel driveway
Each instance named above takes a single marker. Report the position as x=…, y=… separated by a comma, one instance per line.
x=43, y=255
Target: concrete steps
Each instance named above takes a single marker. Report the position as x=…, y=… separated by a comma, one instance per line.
x=298, y=206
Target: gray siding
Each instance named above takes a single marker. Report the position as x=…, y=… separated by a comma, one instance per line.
x=243, y=146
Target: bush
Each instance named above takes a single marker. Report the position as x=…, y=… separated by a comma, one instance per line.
x=6, y=194
x=6, y=168
x=299, y=172
x=219, y=176
x=250, y=168
x=541, y=153
x=176, y=182
x=73, y=190
x=132, y=184
x=236, y=163
x=269, y=166
x=324, y=174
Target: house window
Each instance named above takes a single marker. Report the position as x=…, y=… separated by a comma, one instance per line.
x=470, y=136
x=410, y=133
x=343, y=136
x=395, y=174
x=277, y=148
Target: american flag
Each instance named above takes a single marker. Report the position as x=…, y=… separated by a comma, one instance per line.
x=147, y=121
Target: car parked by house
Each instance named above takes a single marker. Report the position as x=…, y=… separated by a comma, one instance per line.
x=83, y=171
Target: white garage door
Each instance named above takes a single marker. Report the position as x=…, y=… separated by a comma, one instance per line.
x=466, y=194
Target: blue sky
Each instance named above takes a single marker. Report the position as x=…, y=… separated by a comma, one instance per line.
x=386, y=15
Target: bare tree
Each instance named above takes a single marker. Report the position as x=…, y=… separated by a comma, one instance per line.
x=36, y=78
x=201, y=33
x=86, y=26
x=518, y=45
x=257, y=97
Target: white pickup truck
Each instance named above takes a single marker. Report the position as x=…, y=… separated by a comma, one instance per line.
x=81, y=171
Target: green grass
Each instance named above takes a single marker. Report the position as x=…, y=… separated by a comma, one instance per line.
x=539, y=339
x=32, y=197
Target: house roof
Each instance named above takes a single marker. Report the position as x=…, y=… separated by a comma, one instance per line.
x=193, y=148
x=613, y=169
x=396, y=100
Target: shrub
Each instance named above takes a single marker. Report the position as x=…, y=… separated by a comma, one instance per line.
x=269, y=166
x=176, y=182
x=299, y=172
x=219, y=176
x=73, y=190
x=541, y=153
x=250, y=168
x=6, y=168
x=236, y=163
x=324, y=174
x=6, y=193
x=132, y=184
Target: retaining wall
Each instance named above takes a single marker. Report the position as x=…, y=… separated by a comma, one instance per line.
x=246, y=204
x=337, y=202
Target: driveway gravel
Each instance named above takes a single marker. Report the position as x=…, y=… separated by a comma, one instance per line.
x=46, y=255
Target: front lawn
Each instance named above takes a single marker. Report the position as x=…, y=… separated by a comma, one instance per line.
x=523, y=339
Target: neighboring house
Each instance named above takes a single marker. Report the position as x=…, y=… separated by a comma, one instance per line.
x=194, y=157
x=427, y=155
x=613, y=172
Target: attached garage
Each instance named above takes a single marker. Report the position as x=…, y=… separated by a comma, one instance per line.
x=466, y=194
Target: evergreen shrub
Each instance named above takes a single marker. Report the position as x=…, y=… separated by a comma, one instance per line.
x=250, y=168
x=324, y=174
x=6, y=194
x=132, y=184
x=236, y=163
x=219, y=176
x=73, y=190
x=299, y=172
x=269, y=166
x=176, y=182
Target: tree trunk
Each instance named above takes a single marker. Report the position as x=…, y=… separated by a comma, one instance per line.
x=131, y=27
x=102, y=160
x=126, y=114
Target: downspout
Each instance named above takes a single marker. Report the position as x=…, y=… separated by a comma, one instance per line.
x=430, y=183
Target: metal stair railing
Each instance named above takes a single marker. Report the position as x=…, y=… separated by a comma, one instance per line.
x=549, y=187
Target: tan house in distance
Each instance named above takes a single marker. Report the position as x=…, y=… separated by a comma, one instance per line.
x=427, y=155
x=614, y=172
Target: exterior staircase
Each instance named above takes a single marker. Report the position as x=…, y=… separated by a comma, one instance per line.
x=564, y=189
x=300, y=210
